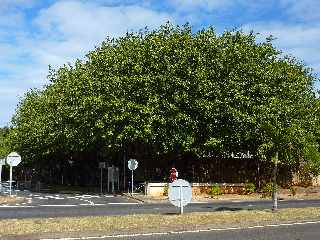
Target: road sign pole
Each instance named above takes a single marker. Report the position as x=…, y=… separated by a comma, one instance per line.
x=10, y=181
x=181, y=200
x=100, y=180
x=131, y=182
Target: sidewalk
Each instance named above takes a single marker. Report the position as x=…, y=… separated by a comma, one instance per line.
x=283, y=195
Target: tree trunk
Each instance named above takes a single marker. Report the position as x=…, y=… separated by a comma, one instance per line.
x=274, y=187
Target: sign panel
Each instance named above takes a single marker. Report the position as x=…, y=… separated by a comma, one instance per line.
x=102, y=165
x=13, y=159
x=132, y=164
x=2, y=161
x=180, y=193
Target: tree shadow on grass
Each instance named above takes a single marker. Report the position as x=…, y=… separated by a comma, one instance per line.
x=233, y=209
x=219, y=209
x=171, y=213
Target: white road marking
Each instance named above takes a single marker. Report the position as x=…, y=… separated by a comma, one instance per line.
x=89, y=196
x=55, y=197
x=42, y=198
x=108, y=196
x=88, y=201
x=182, y=232
x=236, y=201
x=121, y=203
x=67, y=205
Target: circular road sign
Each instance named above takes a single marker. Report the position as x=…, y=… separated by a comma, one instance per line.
x=132, y=164
x=13, y=159
x=180, y=192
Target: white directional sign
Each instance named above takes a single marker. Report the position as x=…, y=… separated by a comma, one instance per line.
x=102, y=165
x=180, y=193
x=13, y=159
x=132, y=164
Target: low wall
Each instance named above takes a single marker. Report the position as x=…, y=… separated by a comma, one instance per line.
x=316, y=181
x=158, y=189
x=155, y=189
x=307, y=180
x=228, y=188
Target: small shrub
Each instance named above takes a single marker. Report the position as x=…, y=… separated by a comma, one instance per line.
x=249, y=188
x=216, y=190
x=165, y=190
x=267, y=190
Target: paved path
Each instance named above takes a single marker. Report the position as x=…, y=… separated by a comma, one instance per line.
x=299, y=231
x=61, y=205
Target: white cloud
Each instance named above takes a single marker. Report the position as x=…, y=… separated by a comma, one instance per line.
x=58, y=34
x=70, y=29
x=90, y=21
x=65, y=31
x=299, y=40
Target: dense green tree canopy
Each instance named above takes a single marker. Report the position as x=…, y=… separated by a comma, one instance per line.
x=4, y=145
x=177, y=91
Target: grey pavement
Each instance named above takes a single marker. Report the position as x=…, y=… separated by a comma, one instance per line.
x=300, y=231
x=72, y=205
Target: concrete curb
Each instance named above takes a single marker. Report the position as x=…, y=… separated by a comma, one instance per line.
x=127, y=195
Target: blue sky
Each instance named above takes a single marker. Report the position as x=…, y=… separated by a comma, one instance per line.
x=36, y=33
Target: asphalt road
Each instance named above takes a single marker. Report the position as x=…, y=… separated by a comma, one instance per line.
x=301, y=231
x=62, y=205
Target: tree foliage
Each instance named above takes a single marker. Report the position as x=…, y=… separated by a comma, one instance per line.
x=177, y=91
x=4, y=147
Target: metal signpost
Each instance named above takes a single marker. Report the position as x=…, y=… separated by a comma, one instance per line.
x=180, y=193
x=13, y=159
x=101, y=166
x=2, y=162
x=132, y=165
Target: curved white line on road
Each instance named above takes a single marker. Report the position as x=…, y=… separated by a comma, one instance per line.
x=68, y=205
x=90, y=203
x=182, y=232
x=120, y=203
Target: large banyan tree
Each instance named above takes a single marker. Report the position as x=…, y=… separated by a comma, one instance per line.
x=177, y=92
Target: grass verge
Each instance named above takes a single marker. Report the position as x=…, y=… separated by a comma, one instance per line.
x=8, y=199
x=161, y=222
